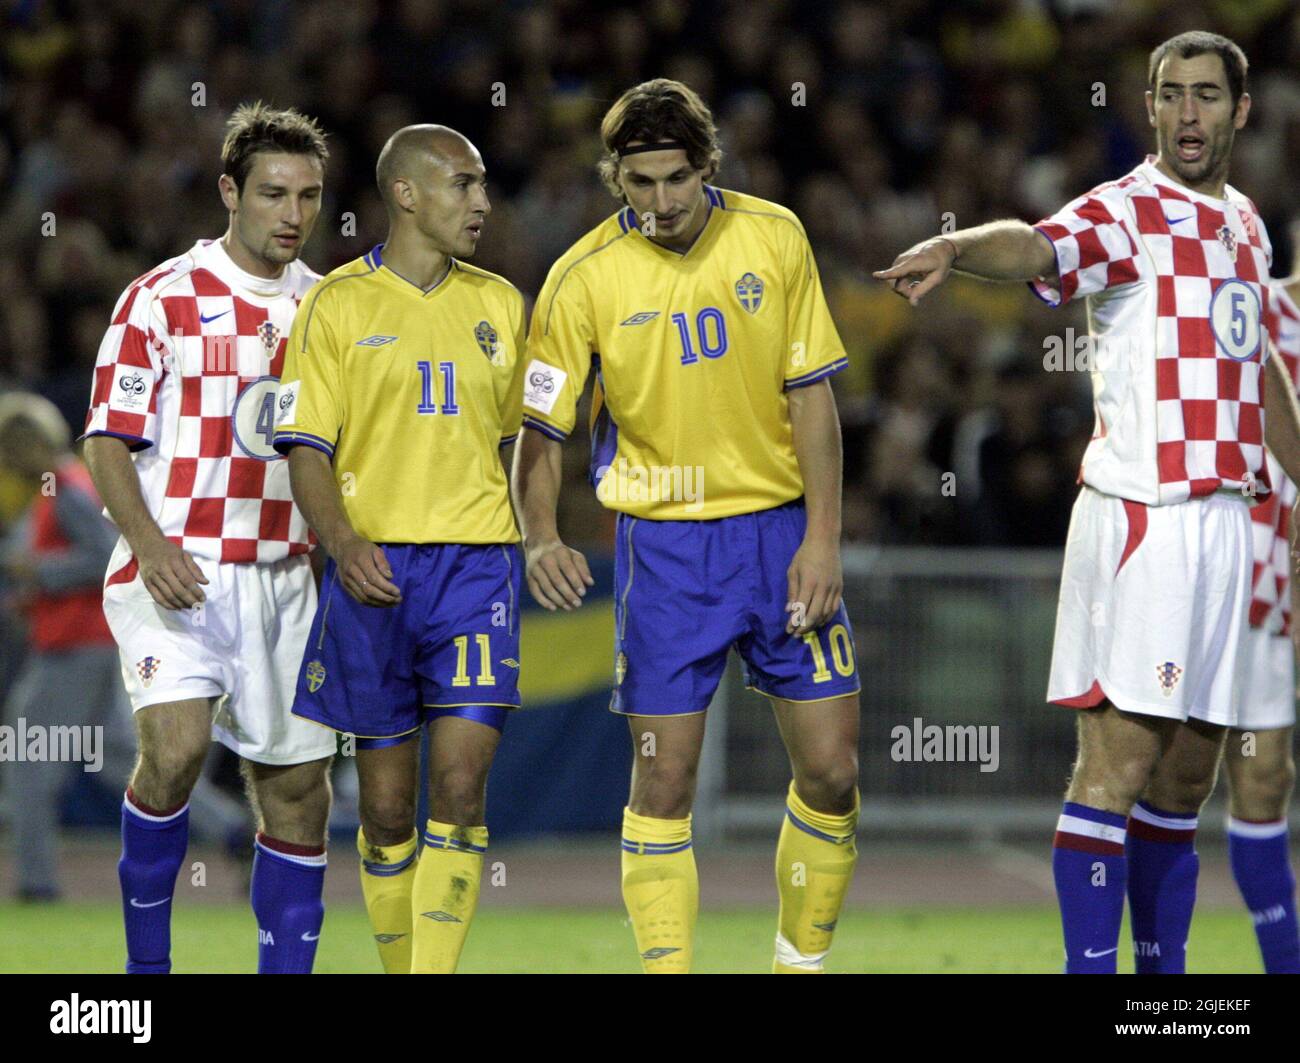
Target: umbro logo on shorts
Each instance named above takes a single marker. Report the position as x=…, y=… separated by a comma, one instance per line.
x=375, y=341
x=641, y=318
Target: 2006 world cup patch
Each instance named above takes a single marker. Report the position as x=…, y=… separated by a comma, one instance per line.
x=542, y=385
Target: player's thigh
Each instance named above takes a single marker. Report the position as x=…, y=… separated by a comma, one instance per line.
x=1118, y=751
x=460, y=754
x=821, y=738
x=386, y=783
x=665, y=762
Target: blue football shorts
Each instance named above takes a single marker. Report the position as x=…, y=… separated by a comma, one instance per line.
x=451, y=648
x=688, y=590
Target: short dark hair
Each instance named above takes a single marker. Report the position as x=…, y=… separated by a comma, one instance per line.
x=257, y=127
x=656, y=111
x=1200, y=42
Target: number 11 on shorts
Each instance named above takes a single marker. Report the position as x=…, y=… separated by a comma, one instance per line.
x=485, y=677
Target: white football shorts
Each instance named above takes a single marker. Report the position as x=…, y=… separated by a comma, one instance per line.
x=1154, y=607
x=1267, y=682
x=243, y=646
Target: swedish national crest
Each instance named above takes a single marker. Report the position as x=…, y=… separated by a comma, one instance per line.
x=488, y=343
x=749, y=290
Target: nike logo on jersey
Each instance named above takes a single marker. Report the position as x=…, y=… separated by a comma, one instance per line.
x=214, y=317
x=641, y=318
x=1089, y=954
x=1175, y=221
x=151, y=904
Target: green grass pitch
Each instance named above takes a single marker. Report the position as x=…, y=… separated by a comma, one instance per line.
x=87, y=938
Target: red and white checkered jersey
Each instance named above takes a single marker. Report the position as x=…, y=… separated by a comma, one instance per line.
x=1177, y=291
x=187, y=375
x=1270, y=601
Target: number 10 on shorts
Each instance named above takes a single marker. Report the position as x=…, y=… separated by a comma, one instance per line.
x=841, y=653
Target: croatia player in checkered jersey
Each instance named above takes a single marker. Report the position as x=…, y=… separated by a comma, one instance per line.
x=1173, y=263
x=1257, y=754
x=210, y=593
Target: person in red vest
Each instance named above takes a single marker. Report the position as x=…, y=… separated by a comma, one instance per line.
x=52, y=567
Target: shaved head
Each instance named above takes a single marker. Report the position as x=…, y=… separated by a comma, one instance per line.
x=414, y=152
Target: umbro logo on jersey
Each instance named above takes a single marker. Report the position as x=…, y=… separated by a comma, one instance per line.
x=641, y=318
x=375, y=341
x=213, y=317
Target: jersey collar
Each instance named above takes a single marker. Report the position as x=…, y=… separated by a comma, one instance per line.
x=1156, y=176
x=375, y=260
x=629, y=222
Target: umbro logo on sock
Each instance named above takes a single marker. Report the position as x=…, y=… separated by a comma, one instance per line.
x=441, y=917
x=388, y=939
x=658, y=954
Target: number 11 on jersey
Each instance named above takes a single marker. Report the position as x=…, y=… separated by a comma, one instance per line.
x=427, y=405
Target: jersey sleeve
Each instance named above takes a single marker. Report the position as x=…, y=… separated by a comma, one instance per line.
x=512, y=405
x=129, y=370
x=309, y=401
x=814, y=350
x=561, y=342
x=1094, y=250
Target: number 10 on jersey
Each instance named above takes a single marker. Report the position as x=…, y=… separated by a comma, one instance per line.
x=427, y=405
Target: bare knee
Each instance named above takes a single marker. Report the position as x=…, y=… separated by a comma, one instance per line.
x=293, y=803
x=1260, y=787
x=387, y=817
x=1110, y=783
x=829, y=785
x=663, y=787
x=1179, y=788
x=165, y=775
x=457, y=795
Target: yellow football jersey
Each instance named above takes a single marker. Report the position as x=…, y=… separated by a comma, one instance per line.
x=411, y=393
x=694, y=355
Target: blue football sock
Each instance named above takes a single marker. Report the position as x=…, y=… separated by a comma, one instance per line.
x=153, y=847
x=286, y=896
x=1261, y=864
x=1089, y=867
x=1162, y=870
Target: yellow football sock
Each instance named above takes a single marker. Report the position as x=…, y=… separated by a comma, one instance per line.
x=814, y=865
x=661, y=890
x=387, y=874
x=445, y=894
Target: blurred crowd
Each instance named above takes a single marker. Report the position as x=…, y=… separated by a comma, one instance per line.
x=878, y=123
